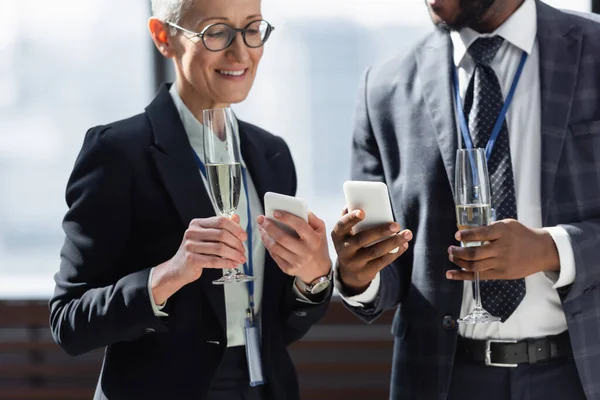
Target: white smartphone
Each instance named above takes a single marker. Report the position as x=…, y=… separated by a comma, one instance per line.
x=373, y=198
x=281, y=202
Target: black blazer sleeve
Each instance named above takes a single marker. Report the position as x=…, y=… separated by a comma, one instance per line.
x=299, y=316
x=93, y=304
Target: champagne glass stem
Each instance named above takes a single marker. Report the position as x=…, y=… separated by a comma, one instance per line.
x=473, y=201
x=477, y=293
x=232, y=271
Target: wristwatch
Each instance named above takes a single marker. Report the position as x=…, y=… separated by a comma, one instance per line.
x=318, y=285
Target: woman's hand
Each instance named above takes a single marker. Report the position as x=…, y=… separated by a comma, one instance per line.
x=214, y=242
x=305, y=257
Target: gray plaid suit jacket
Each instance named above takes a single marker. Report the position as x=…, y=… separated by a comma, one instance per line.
x=405, y=135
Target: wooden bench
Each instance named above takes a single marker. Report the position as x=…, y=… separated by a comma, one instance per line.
x=340, y=358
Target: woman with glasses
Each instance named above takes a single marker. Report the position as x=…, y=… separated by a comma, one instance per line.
x=144, y=245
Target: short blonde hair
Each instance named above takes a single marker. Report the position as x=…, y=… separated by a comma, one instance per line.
x=171, y=10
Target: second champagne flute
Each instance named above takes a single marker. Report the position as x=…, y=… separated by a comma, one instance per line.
x=224, y=171
x=473, y=209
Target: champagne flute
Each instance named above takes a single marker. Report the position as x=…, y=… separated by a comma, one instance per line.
x=473, y=208
x=224, y=171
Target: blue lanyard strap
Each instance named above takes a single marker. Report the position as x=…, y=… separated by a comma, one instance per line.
x=464, y=127
x=248, y=266
x=200, y=164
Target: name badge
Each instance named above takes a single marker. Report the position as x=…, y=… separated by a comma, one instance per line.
x=252, y=333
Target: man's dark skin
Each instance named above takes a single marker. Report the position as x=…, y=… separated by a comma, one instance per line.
x=512, y=251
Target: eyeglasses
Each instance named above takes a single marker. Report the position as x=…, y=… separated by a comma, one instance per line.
x=219, y=36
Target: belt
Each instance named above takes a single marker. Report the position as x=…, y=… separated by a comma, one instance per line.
x=511, y=353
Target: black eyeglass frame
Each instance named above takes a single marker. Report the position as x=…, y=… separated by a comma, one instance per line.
x=199, y=36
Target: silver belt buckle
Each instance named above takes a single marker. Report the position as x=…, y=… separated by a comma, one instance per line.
x=488, y=354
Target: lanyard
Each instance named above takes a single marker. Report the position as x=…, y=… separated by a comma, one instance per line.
x=498, y=126
x=248, y=266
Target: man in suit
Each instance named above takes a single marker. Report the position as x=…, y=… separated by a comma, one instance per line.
x=540, y=263
x=143, y=245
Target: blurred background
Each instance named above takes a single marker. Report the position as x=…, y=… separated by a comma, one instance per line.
x=67, y=65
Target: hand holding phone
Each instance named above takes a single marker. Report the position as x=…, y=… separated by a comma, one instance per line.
x=307, y=256
x=292, y=205
x=366, y=242
x=373, y=199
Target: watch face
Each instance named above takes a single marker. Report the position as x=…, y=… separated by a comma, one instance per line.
x=320, y=286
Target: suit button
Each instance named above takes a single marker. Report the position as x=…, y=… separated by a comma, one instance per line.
x=300, y=313
x=448, y=322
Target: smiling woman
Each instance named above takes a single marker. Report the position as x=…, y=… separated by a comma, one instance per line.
x=144, y=248
x=208, y=75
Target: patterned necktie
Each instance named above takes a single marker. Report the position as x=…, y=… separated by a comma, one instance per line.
x=483, y=103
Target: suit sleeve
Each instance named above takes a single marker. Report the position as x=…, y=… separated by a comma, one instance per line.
x=298, y=315
x=301, y=315
x=94, y=303
x=367, y=165
x=585, y=239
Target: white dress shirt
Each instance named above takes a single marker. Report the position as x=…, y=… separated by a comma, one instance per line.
x=540, y=313
x=236, y=294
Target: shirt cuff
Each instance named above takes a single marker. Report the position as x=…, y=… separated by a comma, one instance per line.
x=156, y=308
x=567, y=273
x=302, y=298
x=299, y=295
x=360, y=300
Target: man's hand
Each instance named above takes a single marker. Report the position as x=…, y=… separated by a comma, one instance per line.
x=358, y=262
x=305, y=257
x=510, y=251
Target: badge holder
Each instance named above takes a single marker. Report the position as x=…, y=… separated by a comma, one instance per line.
x=252, y=333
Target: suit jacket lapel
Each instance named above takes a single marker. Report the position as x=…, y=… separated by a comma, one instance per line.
x=174, y=159
x=434, y=62
x=257, y=162
x=560, y=49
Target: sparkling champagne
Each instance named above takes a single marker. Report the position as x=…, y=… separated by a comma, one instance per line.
x=471, y=216
x=225, y=183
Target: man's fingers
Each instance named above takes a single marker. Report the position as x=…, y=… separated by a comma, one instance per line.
x=474, y=253
x=476, y=266
x=376, y=265
x=480, y=234
x=380, y=249
x=459, y=275
x=372, y=235
x=345, y=224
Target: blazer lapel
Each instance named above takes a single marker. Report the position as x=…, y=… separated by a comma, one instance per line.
x=434, y=62
x=257, y=162
x=560, y=50
x=174, y=160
